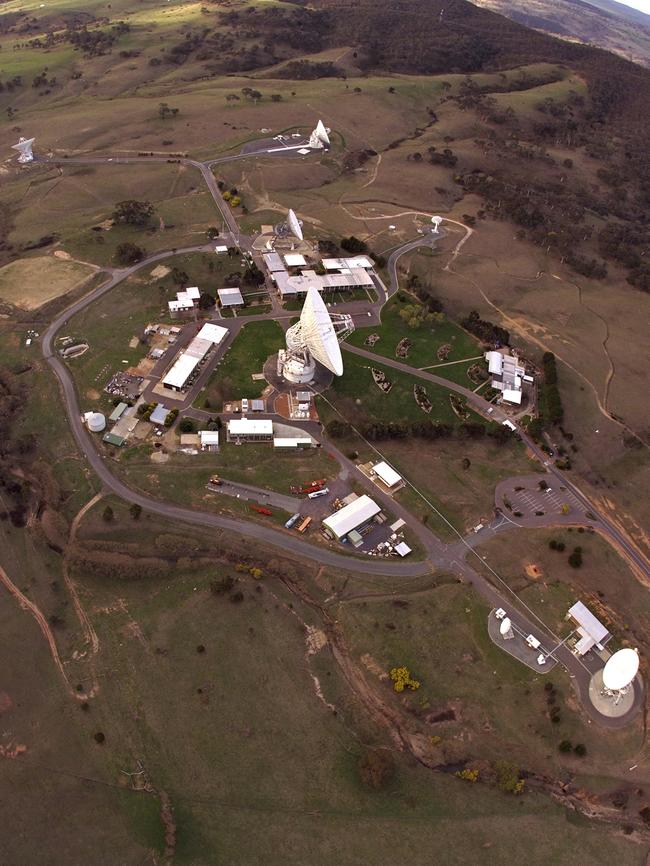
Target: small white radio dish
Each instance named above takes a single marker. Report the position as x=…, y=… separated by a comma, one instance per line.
x=436, y=220
x=294, y=225
x=505, y=626
x=621, y=669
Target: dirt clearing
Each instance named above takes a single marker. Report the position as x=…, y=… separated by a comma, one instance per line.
x=30, y=283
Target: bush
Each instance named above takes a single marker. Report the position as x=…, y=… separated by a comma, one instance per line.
x=575, y=558
x=565, y=746
x=376, y=767
x=135, y=511
x=108, y=514
x=187, y=425
x=580, y=749
x=128, y=253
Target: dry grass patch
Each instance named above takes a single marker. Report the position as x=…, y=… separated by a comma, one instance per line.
x=30, y=283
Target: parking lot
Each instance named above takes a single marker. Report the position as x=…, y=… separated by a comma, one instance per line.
x=524, y=499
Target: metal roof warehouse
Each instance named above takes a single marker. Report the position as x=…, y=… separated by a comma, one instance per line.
x=352, y=516
x=185, y=364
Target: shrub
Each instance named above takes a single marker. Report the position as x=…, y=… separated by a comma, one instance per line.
x=376, y=767
x=108, y=514
x=402, y=679
x=575, y=558
x=565, y=746
x=580, y=749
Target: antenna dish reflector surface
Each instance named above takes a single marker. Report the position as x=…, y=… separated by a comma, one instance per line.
x=505, y=626
x=621, y=669
x=318, y=333
x=294, y=225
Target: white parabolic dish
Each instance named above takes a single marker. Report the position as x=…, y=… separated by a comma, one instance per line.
x=318, y=334
x=294, y=225
x=621, y=669
x=505, y=626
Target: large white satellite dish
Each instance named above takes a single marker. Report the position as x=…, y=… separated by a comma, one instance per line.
x=621, y=669
x=24, y=148
x=318, y=334
x=314, y=337
x=505, y=626
x=294, y=225
x=320, y=136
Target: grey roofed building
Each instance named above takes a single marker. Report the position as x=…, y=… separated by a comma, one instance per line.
x=273, y=262
x=230, y=297
x=257, y=405
x=159, y=415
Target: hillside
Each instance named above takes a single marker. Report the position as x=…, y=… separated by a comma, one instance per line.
x=603, y=25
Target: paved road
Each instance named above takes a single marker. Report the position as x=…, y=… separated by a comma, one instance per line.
x=439, y=554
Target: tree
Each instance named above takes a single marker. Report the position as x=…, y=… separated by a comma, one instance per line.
x=108, y=514
x=565, y=746
x=128, y=253
x=212, y=233
x=206, y=301
x=402, y=679
x=580, y=750
x=575, y=558
x=276, y=97
x=565, y=508
x=376, y=767
x=135, y=511
x=132, y=212
x=353, y=245
x=179, y=277
x=187, y=425
x=338, y=429
x=415, y=315
x=164, y=111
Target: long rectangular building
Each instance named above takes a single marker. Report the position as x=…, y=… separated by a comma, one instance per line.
x=249, y=430
x=353, y=516
x=185, y=366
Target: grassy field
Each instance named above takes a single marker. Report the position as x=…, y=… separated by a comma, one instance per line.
x=259, y=465
x=495, y=699
x=425, y=343
x=30, y=283
x=357, y=397
x=246, y=356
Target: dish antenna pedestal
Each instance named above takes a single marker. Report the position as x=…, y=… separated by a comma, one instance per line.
x=24, y=148
x=314, y=338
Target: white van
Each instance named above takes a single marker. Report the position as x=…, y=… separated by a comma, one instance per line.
x=318, y=493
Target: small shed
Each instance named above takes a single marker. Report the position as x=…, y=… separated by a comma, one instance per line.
x=159, y=415
x=118, y=411
x=209, y=440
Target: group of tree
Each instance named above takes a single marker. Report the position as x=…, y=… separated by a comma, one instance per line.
x=417, y=315
x=132, y=212
x=376, y=431
x=551, y=410
x=488, y=332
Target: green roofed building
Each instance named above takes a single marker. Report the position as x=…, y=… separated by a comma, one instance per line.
x=114, y=439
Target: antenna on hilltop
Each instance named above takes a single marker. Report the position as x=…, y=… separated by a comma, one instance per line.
x=24, y=148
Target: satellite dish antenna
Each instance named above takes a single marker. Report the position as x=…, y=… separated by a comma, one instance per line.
x=24, y=148
x=620, y=670
x=436, y=220
x=320, y=136
x=294, y=225
x=315, y=337
x=505, y=629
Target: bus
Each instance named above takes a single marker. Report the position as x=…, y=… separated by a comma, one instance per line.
x=316, y=493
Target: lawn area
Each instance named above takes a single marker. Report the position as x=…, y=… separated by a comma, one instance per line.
x=184, y=477
x=358, y=398
x=245, y=357
x=464, y=496
x=425, y=342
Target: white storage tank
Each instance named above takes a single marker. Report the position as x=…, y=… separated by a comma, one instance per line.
x=96, y=422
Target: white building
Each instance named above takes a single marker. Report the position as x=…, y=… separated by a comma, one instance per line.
x=289, y=286
x=295, y=260
x=186, y=301
x=249, y=430
x=350, y=262
x=591, y=630
x=209, y=440
x=186, y=366
x=293, y=442
x=507, y=375
x=387, y=475
x=353, y=516
x=230, y=297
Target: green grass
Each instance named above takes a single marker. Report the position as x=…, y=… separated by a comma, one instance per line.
x=247, y=355
x=425, y=341
x=358, y=398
